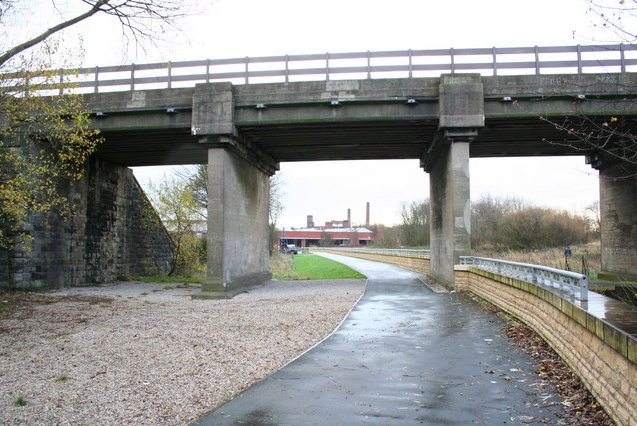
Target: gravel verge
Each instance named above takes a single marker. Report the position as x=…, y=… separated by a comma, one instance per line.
x=135, y=353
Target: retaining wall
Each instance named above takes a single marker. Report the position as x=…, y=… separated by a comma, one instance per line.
x=604, y=357
x=411, y=262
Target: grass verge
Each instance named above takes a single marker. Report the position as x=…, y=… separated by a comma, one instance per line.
x=320, y=268
x=308, y=267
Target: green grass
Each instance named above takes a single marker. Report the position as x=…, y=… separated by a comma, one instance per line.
x=319, y=268
x=20, y=401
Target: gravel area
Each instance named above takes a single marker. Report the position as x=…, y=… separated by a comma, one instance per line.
x=134, y=353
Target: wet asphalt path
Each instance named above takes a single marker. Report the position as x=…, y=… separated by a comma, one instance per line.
x=403, y=356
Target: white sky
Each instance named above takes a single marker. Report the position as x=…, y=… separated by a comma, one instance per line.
x=237, y=28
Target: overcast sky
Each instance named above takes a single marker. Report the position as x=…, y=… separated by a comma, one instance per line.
x=237, y=28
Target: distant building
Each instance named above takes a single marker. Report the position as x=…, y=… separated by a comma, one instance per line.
x=307, y=237
x=335, y=233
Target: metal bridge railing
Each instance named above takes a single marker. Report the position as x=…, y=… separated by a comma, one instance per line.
x=355, y=65
x=396, y=252
x=565, y=283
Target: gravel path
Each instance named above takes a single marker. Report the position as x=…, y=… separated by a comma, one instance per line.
x=134, y=353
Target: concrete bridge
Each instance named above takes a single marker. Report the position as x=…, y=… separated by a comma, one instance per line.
x=243, y=131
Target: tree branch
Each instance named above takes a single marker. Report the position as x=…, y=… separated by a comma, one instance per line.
x=48, y=33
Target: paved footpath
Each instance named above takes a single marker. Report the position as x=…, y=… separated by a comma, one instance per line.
x=403, y=356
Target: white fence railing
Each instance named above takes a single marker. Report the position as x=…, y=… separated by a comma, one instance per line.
x=355, y=65
x=571, y=284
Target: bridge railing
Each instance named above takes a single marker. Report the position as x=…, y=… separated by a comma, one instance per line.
x=397, y=252
x=355, y=65
x=565, y=283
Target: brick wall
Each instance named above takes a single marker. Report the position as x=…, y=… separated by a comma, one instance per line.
x=604, y=357
x=114, y=233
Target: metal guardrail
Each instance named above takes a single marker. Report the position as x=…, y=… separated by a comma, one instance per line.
x=397, y=252
x=562, y=282
x=355, y=65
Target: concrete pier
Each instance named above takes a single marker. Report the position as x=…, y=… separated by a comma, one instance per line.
x=461, y=115
x=618, y=211
x=238, y=232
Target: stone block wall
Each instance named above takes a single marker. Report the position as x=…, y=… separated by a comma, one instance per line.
x=604, y=357
x=114, y=233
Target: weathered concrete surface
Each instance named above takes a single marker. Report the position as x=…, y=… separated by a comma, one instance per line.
x=238, y=231
x=403, y=356
x=373, y=119
x=449, y=189
x=425, y=118
x=461, y=117
x=618, y=208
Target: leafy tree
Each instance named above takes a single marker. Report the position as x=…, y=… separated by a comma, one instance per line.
x=197, y=179
x=45, y=142
x=44, y=145
x=181, y=214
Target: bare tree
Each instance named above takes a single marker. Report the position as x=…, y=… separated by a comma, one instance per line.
x=616, y=18
x=612, y=139
x=135, y=16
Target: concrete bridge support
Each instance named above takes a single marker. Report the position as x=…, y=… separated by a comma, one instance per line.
x=238, y=232
x=618, y=212
x=450, y=210
x=461, y=115
x=238, y=196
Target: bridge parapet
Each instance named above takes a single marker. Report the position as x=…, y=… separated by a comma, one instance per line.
x=494, y=61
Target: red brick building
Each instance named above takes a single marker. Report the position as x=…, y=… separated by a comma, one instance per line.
x=334, y=233
x=306, y=237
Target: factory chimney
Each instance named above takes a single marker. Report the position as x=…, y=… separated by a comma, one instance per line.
x=367, y=215
x=349, y=218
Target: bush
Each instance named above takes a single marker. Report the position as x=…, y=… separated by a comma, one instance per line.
x=537, y=227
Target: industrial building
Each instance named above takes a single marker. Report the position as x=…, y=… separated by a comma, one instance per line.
x=334, y=233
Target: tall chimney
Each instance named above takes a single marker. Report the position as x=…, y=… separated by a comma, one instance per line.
x=349, y=218
x=310, y=221
x=367, y=216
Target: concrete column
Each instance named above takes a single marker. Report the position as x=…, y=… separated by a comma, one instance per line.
x=450, y=210
x=461, y=112
x=618, y=211
x=238, y=231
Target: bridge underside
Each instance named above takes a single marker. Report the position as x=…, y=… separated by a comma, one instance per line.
x=365, y=140
x=443, y=122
